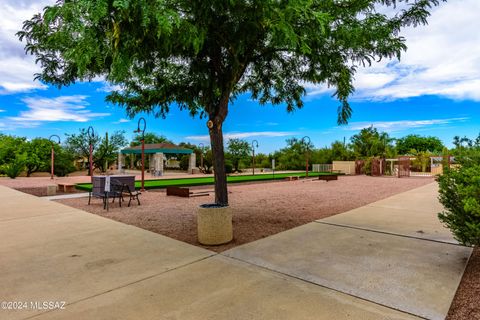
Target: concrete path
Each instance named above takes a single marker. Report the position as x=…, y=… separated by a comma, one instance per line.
x=103, y=269
x=68, y=196
x=393, y=252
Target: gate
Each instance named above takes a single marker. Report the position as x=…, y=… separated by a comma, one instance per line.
x=359, y=167
x=403, y=167
x=377, y=167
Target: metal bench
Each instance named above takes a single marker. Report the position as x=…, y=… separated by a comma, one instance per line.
x=328, y=177
x=185, y=192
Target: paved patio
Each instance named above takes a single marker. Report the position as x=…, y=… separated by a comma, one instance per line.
x=350, y=266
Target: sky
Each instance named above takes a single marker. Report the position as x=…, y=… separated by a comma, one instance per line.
x=434, y=90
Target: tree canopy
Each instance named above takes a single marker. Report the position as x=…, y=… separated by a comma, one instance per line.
x=201, y=55
x=150, y=138
x=371, y=143
x=105, y=149
x=238, y=150
x=419, y=143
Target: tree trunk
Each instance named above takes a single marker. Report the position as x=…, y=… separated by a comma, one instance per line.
x=216, y=141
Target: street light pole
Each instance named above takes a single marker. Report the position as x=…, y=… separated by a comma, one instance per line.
x=91, y=136
x=53, y=154
x=142, y=131
x=201, y=154
x=254, y=142
x=306, y=155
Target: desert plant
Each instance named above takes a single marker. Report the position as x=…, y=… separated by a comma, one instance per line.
x=15, y=167
x=459, y=194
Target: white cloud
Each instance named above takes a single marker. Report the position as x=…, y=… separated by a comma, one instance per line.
x=63, y=108
x=108, y=87
x=244, y=135
x=1, y=110
x=400, y=125
x=16, y=68
x=122, y=120
x=443, y=58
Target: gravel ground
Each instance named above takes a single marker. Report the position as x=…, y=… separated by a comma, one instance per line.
x=259, y=210
x=466, y=304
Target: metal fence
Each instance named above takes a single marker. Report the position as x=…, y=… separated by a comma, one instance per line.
x=321, y=167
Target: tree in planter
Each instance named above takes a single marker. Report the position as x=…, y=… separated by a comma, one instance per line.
x=238, y=150
x=202, y=55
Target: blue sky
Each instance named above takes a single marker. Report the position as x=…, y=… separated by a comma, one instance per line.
x=433, y=90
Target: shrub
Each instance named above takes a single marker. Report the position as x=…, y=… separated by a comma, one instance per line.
x=367, y=168
x=228, y=166
x=14, y=167
x=184, y=161
x=460, y=195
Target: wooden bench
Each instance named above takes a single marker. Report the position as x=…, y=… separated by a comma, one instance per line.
x=292, y=178
x=328, y=177
x=185, y=192
x=67, y=187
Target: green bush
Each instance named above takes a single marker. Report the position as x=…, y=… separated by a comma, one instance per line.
x=184, y=161
x=460, y=195
x=63, y=163
x=368, y=166
x=14, y=168
x=228, y=166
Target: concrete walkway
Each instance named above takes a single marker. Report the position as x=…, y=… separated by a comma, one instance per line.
x=329, y=269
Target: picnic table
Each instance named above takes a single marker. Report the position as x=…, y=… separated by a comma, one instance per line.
x=103, y=188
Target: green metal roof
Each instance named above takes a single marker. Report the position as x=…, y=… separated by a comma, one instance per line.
x=157, y=148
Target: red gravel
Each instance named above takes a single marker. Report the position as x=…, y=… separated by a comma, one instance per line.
x=466, y=304
x=259, y=210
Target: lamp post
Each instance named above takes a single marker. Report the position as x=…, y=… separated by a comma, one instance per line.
x=53, y=154
x=91, y=136
x=202, y=146
x=142, y=131
x=254, y=143
x=306, y=154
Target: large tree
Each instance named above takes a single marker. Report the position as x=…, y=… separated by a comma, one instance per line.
x=238, y=150
x=200, y=55
x=419, y=143
x=371, y=143
x=38, y=155
x=105, y=148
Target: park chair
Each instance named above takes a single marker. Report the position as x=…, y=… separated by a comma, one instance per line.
x=121, y=190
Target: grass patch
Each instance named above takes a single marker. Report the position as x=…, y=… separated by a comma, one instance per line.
x=190, y=182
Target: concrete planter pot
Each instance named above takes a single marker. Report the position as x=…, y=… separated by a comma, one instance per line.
x=214, y=224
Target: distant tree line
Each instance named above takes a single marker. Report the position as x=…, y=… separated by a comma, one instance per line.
x=18, y=154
